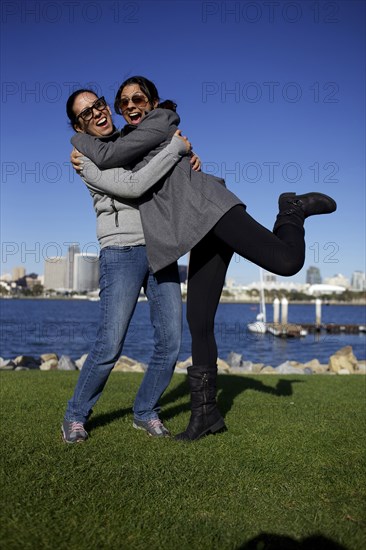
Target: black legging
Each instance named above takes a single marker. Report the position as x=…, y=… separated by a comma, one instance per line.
x=237, y=231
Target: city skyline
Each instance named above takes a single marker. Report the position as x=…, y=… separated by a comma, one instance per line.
x=354, y=280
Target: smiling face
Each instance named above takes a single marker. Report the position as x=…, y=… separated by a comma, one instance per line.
x=134, y=104
x=100, y=123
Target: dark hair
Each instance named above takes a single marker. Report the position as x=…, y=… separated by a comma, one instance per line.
x=168, y=104
x=148, y=88
x=70, y=105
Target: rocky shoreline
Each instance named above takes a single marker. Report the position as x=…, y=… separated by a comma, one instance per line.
x=343, y=362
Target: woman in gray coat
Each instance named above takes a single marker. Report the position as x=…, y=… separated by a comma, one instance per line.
x=194, y=211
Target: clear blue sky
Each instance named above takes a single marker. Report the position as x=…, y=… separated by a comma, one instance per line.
x=271, y=94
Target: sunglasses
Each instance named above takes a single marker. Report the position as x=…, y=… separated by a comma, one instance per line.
x=138, y=100
x=87, y=114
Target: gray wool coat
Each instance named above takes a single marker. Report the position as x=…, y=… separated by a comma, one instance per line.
x=180, y=209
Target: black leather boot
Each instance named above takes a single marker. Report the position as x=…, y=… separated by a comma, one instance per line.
x=205, y=416
x=294, y=209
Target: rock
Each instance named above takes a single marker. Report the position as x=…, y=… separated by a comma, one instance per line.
x=296, y=364
x=343, y=359
x=80, y=362
x=125, y=364
x=247, y=367
x=120, y=367
x=47, y=356
x=125, y=361
x=66, y=363
x=180, y=370
x=222, y=366
x=290, y=367
x=315, y=366
x=6, y=364
x=182, y=365
x=51, y=364
x=257, y=367
x=268, y=370
x=234, y=359
x=361, y=367
x=27, y=361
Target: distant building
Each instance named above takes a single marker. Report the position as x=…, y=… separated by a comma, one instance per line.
x=86, y=272
x=70, y=266
x=31, y=280
x=338, y=280
x=18, y=273
x=55, y=273
x=320, y=289
x=358, y=280
x=313, y=276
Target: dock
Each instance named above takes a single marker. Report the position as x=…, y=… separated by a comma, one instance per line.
x=333, y=328
x=292, y=330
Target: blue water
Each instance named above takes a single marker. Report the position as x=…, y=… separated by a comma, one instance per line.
x=33, y=327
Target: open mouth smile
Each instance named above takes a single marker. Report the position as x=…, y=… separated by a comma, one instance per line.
x=102, y=122
x=135, y=117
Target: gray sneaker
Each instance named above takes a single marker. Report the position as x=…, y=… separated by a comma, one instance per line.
x=154, y=427
x=73, y=431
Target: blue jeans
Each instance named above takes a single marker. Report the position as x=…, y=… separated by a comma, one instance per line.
x=123, y=271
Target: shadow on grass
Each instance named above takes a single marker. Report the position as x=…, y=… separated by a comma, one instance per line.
x=229, y=387
x=178, y=392
x=268, y=541
x=232, y=386
x=103, y=419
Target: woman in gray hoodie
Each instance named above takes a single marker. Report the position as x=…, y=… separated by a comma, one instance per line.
x=124, y=269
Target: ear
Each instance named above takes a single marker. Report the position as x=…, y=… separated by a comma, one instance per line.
x=78, y=129
x=155, y=103
x=109, y=110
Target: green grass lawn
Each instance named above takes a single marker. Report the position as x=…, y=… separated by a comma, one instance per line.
x=291, y=464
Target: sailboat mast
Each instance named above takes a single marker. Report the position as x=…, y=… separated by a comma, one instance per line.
x=263, y=303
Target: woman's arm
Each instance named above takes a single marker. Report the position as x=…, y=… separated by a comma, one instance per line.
x=125, y=184
x=156, y=127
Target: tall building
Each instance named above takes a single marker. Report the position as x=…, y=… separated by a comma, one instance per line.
x=358, y=281
x=86, y=272
x=55, y=273
x=313, y=276
x=70, y=265
x=18, y=273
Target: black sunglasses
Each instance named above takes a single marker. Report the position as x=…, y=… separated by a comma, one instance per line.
x=87, y=114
